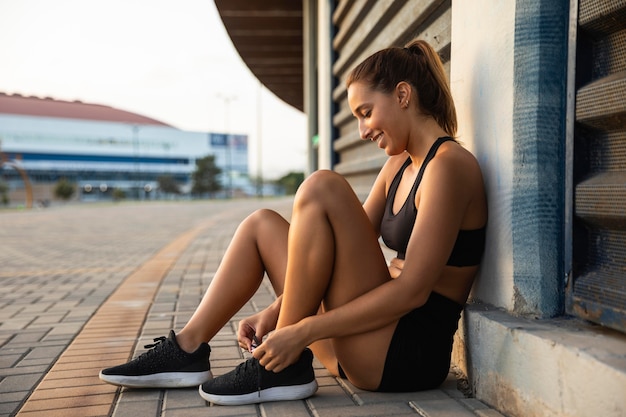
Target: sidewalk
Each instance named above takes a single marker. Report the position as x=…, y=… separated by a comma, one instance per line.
x=84, y=287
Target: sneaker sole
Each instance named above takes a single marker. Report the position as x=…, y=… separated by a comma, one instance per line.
x=161, y=380
x=293, y=392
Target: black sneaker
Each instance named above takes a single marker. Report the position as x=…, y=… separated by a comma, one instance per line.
x=165, y=365
x=250, y=383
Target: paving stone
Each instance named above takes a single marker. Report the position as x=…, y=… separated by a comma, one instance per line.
x=7, y=361
x=11, y=397
x=129, y=394
x=32, y=362
x=90, y=411
x=76, y=402
x=22, y=382
x=35, y=336
x=40, y=369
x=383, y=409
x=331, y=397
x=183, y=398
x=367, y=397
x=216, y=411
x=51, y=352
x=441, y=408
x=36, y=308
x=7, y=408
x=16, y=324
x=479, y=408
x=68, y=392
x=137, y=408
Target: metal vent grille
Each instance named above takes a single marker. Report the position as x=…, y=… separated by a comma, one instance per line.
x=597, y=290
x=609, y=152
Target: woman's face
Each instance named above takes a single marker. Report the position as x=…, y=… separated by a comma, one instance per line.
x=380, y=117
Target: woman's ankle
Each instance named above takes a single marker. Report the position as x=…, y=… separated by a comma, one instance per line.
x=186, y=342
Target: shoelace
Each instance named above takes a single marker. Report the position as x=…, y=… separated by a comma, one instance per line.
x=242, y=369
x=258, y=373
x=157, y=341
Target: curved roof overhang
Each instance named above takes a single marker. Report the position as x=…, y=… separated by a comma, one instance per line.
x=268, y=36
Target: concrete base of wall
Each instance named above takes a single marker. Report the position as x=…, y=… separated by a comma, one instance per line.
x=527, y=368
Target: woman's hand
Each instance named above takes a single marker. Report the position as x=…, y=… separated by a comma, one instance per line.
x=282, y=348
x=395, y=267
x=256, y=327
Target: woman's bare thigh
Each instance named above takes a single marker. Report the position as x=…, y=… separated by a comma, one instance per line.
x=359, y=266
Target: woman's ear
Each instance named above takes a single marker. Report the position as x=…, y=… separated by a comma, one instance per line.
x=403, y=92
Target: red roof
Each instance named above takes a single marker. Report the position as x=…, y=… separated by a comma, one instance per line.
x=49, y=107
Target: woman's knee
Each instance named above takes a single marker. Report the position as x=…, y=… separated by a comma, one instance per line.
x=259, y=218
x=320, y=184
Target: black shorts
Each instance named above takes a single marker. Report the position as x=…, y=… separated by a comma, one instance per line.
x=418, y=357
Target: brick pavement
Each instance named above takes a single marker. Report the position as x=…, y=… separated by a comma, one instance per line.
x=84, y=287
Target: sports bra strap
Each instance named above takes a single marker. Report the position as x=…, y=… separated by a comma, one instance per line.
x=429, y=156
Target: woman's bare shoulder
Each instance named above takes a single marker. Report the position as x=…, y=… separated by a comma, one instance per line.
x=394, y=163
x=456, y=159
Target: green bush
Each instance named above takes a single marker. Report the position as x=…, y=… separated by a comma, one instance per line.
x=64, y=189
x=118, y=194
x=4, y=193
x=291, y=182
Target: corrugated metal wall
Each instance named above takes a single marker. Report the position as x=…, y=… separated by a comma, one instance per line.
x=598, y=289
x=364, y=27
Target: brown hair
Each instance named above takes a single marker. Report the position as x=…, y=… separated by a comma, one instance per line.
x=419, y=65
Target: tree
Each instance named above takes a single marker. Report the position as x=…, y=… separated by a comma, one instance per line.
x=168, y=184
x=291, y=182
x=64, y=189
x=206, y=176
x=4, y=193
x=118, y=194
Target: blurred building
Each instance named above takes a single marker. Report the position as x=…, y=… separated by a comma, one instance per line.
x=101, y=149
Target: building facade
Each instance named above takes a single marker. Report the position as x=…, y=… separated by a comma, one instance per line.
x=102, y=149
x=540, y=90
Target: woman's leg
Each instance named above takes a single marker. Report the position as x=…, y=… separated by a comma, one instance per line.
x=259, y=245
x=334, y=256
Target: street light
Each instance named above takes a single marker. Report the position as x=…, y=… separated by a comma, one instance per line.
x=259, y=154
x=227, y=99
x=136, y=183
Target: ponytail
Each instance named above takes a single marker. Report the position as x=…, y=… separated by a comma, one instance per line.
x=419, y=65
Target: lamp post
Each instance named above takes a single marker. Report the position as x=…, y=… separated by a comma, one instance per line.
x=259, y=153
x=136, y=183
x=227, y=99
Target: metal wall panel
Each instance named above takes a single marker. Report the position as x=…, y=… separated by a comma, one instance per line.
x=597, y=287
x=362, y=28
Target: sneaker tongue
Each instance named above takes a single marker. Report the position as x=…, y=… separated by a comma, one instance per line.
x=172, y=337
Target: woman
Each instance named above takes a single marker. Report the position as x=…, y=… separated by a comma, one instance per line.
x=384, y=327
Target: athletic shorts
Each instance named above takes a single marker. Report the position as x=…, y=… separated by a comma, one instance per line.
x=418, y=357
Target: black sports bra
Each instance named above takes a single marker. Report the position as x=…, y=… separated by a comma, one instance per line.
x=396, y=229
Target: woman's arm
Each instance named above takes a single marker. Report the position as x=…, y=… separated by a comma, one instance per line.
x=445, y=193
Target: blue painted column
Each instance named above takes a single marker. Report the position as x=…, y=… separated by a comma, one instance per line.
x=539, y=115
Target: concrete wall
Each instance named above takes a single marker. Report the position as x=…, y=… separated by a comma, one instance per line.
x=481, y=80
x=508, y=77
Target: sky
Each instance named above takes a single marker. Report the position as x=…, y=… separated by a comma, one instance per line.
x=172, y=61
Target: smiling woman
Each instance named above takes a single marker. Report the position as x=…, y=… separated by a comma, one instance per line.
x=384, y=327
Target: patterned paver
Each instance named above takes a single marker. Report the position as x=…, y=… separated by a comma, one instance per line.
x=84, y=287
